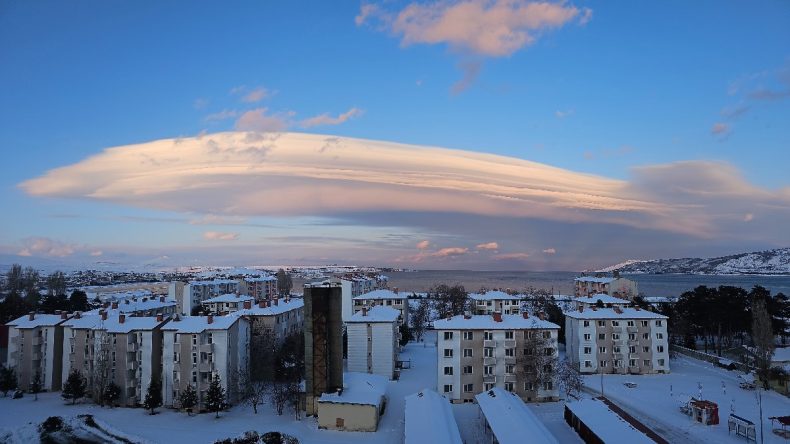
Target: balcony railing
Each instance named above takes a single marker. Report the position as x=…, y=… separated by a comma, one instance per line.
x=207, y=348
x=510, y=343
x=489, y=379
x=632, y=329
x=489, y=343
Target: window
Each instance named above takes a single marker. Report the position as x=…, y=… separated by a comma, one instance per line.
x=587, y=364
x=632, y=336
x=661, y=362
x=448, y=388
x=469, y=388
x=488, y=335
x=509, y=386
x=510, y=369
x=587, y=337
x=468, y=335
x=194, y=339
x=529, y=334
x=616, y=363
x=587, y=350
x=646, y=362
x=601, y=336
x=548, y=385
x=645, y=349
x=660, y=349
x=488, y=386
x=602, y=350
x=615, y=336
x=659, y=335
x=448, y=352
x=528, y=386
x=448, y=335
x=194, y=358
x=548, y=351
x=615, y=323
x=509, y=334
x=529, y=351
x=467, y=369
x=488, y=370
x=644, y=324
x=488, y=352
x=632, y=362
x=510, y=352
x=602, y=323
x=659, y=323
x=632, y=349
x=448, y=371
x=645, y=335
x=547, y=368
x=194, y=376
x=467, y=353
x=616, y=349
x=603, y=363
x=630, y=323
x=586, y=323
x=546, y=335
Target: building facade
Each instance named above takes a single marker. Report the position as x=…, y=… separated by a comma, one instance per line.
x=260, y=288
x=495, y=301
x=479, y=352
x=35, y=346
x=225, y=303
x=614, y=286
x=192, y=294
x=617, y=340
x=373, y=338
x=387, y=298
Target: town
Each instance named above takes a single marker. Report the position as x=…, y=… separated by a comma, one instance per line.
x=351, y=354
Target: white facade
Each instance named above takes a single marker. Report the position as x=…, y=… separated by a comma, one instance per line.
x=193, y=293
x=373, y=341
x=617, y=340
x=35, y=342
x=615, y=286
x=385, y=297
x=492, y=301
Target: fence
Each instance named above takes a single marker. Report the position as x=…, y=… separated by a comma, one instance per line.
x=713, y=359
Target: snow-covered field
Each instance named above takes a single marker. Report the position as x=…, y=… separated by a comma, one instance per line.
x=657, y=399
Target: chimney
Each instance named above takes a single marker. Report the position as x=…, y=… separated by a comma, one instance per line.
x=594, y=308
x=160, y=317
x=247, y=305
x=276, y=301
x=581, y=308
x=77, y=314
x=121, y=318
x=395, y=290
x=364, y=311
x=161, y=298
x=145, y=299
x=103, y=315
x=126, y=302
x=237, y=295
x=115, y=305
x=637, y=308
x=210, y=319
x=497, y=316
x=106, y=305
x=262, y=304
x=525, y=315
x=64, y=315
x=467, y=315
x=31, y=315
x=617, y=310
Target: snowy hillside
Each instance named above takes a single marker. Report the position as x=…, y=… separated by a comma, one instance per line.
x=762, y=262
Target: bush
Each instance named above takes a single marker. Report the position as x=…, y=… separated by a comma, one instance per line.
x=52, y=424
x=278, y=438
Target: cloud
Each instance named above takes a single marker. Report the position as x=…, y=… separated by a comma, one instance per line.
x=563, y=114
x=326, y=119
x=422, y=245
x=450, y=252
x=470, y=70
x=488, y=246
x=218, y=235
x=720, y=129
x=550, y=251
x=222, y=115
x=46, y=247
x=214, y=219
x=256, y=95
x=753, y=89
x=748, y=217
x=258, y=120
x=200, y=103
x=511, y=256
x=96, y=253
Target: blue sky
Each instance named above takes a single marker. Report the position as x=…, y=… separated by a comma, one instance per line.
x=607, y=87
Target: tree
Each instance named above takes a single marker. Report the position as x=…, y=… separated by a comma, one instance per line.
x=153, y=397
x=79, y=301
x=8, y=380
x=102, y=366
x=75, y=386
x=29, y=284
x=538, y=363
x=284, y=283
x=13, y=279
x=290, y=359
x=405, y=335
x=252, y=392
x=111, y=393
x=215, y=396
x=56, y=284
x=762, y=338
x=35, y=385
x=420, y=318
x=188, y=398
x=12, y=307
x=570, y=379
x=285, y=394
x=449, y=301
x=263, y=346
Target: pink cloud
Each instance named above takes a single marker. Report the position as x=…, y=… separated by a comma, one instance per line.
x=488, y=246
x=218, y=235
x=550, y=251
x=422, y=245
x=511, y=256
x=326, y=119
x=44, y=246
x=222, y=115
x=720, y=129
x=256, y=95
x=258, y=120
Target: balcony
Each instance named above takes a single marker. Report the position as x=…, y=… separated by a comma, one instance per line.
x=510, y=343
x=132, y=347
x=510, y=378
x=207, y=348
x=633, y=342
x=131, y=383
x=632, y=329
x=489, y=343
x=634, y=369
x=490, y=360
x=510, y=359
x=36, y=340
x=489, y=379
x=206, y=367
x=617, y=329
x=131, y=365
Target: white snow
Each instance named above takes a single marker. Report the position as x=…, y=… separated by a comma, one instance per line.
x=383, y=294
x=378, y=313
x=199, y=324
x=510, y=419
x=597, y=280
x=229, y=297
x=281, y=307
x=481, y=322
x=39, y=320
x=606, y=424
x=494, y=295
x=429, y=419
x=358, y=388
x=603, y=297
x=610, y=313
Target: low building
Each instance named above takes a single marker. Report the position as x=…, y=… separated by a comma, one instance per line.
x=197, y=348
x=373, y=338
x=489, y=302
x=225, y=303
x=35, y=346
x=139, y=306
x=477, y=353
x=600, y=421
x=617, y=340
x=357, y=407
x=280, y=317
x=190, y=295
x=429, y=419
x=601, y=300
x=260, y=288
x=388, y=298
x=507, y=420
x=614, y=285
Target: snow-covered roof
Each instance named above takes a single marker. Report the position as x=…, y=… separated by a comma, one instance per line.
x=112, y=324
x=606, y=424
x=229, y=297
x=487, y=322
x=88, y=321
x=382, y=294
x=430, y=419
x=260, y=279
x=603, y=297
x=359, y=388
x=199, y=324
x=510, y=419
x=272, y=310
x=597, y=280
x=214, y=282
x=377, y=313
x=39, y=320
x=131, y=305
x=494, y=295
x=611, y=313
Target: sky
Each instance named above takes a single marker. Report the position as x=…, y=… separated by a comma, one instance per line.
x=475, y=134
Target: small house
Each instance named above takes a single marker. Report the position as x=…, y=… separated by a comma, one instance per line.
x=355, y=408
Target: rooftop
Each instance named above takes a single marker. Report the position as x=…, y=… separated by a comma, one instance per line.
x=113, y=324
x=429, y=418
x=199, y=324
x=359, y=388
x=611, y=313
x=214, y=282
x=382, y=294
x=132, y=305
x=492, y=295
x=605, y=423
x=377, y=313
x=272, y=310
x=487, y=322
x=598, y=280
x=39, y=320
x=510, y=419
x=603, y=297
x=229, y=297
x=260, y=279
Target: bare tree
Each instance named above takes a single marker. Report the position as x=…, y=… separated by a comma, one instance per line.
x=263, y=346
x=252, y=392
x=763, y=339
x=449, y=301
x=284, y=282
x=102, y=365
x=538, y=362
x=570, y=379
x=420, y=318
x=56, y=284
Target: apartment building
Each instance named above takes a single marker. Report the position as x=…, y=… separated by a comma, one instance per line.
x=615, y=286
x=195, y=348
x=617, y=340
x=225, y=303
x=190, y=295
x=495, y=301
x=479, y=352
x=600, y=299
x=35, y=346
x=373, y=337
x=139, y=306
x=385, y=297
x=260, y=288
x=353, y=285
x=282, y=317
x=125, y=350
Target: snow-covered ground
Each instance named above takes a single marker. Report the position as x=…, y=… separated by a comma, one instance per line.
x=174, y=427
x=657, y=399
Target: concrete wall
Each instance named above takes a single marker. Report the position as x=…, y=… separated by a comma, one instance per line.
x=356, y=418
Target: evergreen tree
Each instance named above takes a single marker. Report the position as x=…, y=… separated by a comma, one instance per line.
x=763, y=339
x=188, y=398
x=215, y=396
x=7, y=380
x=79, y=301
x=153, y=397
x=75, y=386
x=111, y=393
x=405, y=335
x=35, y=385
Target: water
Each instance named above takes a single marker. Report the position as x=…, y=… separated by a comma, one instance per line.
x=562, y=281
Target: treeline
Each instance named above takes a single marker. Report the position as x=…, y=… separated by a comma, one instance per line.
x=722, y=318
x=22, y=291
